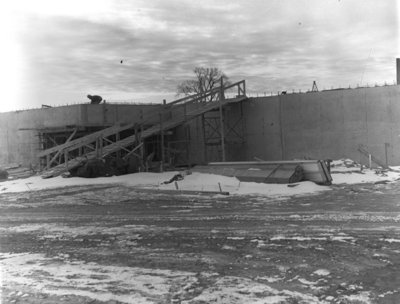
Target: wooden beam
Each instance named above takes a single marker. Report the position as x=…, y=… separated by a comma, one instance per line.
x=133, y=151
x=116, y=143
x=59, y=152
x=90, y=147
x=76, y=143
x=51, y=139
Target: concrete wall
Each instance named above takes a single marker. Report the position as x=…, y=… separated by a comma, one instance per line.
x=19, y=141
x=329, y=124
x=19, y=130
x=108, y=114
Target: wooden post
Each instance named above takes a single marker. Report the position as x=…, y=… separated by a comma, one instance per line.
x=203, y=122
x=97, y=147
x=142, y=150
x=117, y=139
x=101, y=147
x=243, y=89
x=187, y=135
x=66, y=158
x=386, y=154
x=162, y=138
x=221, y=121
x=221, y=94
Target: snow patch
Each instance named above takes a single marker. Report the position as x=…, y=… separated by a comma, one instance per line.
x=391, y=240
x=135, y=285
x=346, y=171
x=363, y=297
x=234, y=290
x=322, y=272
x=296, y=238
x=270, y=279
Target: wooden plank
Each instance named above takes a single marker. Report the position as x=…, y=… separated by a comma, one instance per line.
x=115, y=143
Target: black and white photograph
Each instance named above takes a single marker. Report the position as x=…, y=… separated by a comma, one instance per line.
x=200, y=152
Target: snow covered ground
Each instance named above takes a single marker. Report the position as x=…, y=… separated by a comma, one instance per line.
x=117, y=244
x=135, y=285
x=343, y=172
x=346, y=171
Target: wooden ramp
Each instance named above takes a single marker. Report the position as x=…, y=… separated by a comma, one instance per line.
x=69, y=155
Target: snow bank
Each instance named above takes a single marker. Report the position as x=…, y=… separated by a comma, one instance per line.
x=193, y=182
x=346, y=171
x=343, y=172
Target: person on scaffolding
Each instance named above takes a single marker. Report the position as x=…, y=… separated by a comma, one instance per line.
x=95, y=99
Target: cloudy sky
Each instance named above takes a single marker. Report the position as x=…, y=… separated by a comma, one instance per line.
x=57, y=52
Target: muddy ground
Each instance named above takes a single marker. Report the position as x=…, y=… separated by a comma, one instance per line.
x=116, y=244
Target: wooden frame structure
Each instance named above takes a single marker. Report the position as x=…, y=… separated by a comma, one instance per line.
x=219, y=132
x=128, y=139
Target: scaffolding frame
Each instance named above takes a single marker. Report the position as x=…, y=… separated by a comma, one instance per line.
x=125, y=139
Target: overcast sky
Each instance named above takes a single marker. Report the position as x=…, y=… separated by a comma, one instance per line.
x=57, y=52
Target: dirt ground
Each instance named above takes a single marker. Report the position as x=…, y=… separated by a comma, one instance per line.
x=117, y=244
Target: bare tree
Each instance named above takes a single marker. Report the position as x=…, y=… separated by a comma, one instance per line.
x=205, y=80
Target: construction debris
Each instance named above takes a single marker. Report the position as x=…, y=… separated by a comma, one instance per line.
x=176, y=177
x=16, y=171
x=280, y=172
x=3, y=174
x=363, y=150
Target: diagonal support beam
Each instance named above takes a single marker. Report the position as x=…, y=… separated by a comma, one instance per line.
x=60, y=151
x=116, y=143
x=133, y=151
x=232, y=129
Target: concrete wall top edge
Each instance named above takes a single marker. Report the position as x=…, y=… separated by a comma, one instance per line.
x=63, y=107
x=378, y=89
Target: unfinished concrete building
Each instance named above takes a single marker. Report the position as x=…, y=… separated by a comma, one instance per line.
x=223, y=124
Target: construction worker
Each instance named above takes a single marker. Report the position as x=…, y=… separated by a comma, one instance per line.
x=95, y=99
